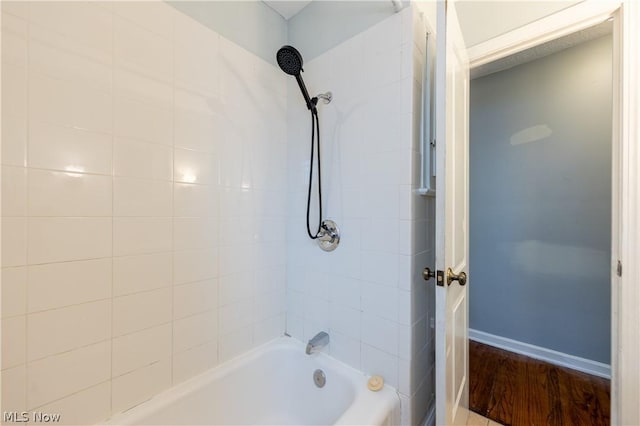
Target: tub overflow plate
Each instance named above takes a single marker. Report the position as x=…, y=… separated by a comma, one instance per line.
x=319, y=378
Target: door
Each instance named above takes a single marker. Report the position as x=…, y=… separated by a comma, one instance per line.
x=452, y=219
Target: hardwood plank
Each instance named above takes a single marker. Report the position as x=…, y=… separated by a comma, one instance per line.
x=601, y=407
x=483, y=367
x=516, y=390
x=521, y=396
x=555, y=416
x=576, y=397
x=537, y=402
x=477, y=360
x=501, y=401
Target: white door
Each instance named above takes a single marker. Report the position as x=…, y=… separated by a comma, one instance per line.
x=452, y=219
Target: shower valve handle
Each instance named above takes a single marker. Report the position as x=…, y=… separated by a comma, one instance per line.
x=329, y=235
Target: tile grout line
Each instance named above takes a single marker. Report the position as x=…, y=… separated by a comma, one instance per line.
x=217, y=207
x=113, y=119
x=173, y=192
x=26, y=225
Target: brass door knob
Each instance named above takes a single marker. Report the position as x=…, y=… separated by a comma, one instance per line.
x=461, y=277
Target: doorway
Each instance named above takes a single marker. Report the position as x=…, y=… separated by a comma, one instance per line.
x=540, y=208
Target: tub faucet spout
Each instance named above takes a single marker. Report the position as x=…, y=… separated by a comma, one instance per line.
x=319, y=341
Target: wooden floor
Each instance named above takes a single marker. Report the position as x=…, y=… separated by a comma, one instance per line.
x=516, y=390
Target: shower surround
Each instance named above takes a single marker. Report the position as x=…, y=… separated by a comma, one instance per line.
x=368, y=294
x=144, y=203
x=153, y=206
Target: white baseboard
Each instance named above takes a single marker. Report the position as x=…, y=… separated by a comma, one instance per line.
x=554, y=357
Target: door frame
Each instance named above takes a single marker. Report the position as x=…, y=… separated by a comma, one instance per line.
x=625, y=201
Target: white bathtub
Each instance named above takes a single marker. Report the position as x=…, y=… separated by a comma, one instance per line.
x=271, y=385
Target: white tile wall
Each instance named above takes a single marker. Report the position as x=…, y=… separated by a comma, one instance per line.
x=352, y=292
x=62, y=239
x=14, y=329
x=52, y=194
x=135, y=350
x=61, y=148
x=136, y=312
x=139, y=385
x=14, y=291
x=368, y=294
x=14, y=387
x=148, y=230
x=133, y=274
x=119, y=274
x=192, y=361
x=60, y=330
x=83, y=407
x=55, y=377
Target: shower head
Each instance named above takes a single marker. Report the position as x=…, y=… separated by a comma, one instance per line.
x=290, y=61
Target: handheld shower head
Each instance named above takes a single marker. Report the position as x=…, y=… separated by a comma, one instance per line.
x=290, y=61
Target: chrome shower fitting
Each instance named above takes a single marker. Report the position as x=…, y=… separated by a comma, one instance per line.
x=329, y=235
x=326, y=97
x=318, y=341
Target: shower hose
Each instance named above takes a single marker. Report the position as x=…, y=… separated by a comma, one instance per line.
x=315, y=129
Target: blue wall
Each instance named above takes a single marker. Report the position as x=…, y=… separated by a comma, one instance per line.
x=540, y=160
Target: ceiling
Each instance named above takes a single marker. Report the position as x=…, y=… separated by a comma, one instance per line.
x=544, y=49
x=287, y=9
